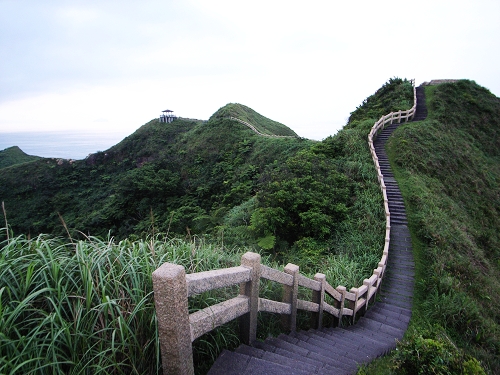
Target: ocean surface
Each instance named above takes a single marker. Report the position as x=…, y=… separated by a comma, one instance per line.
x=61, y=144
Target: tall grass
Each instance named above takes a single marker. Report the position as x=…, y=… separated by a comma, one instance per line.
x=87, y=307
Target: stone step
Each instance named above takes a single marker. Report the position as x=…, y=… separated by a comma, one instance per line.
x=390, y=320
x=379, y=306
x=354, y=345
x=281, y=346
x=278, y=359
x=398, y=221
x=322, y=355
x=379, y=342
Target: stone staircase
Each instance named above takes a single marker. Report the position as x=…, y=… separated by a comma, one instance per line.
x=421, y=110
x=342, y=350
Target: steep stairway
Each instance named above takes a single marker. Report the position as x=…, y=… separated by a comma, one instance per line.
x=421, y=110
x=342, y=350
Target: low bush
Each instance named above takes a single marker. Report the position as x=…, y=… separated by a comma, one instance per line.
x=426, y=354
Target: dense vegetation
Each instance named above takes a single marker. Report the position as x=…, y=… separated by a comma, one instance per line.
x=391, y=97
x=186, y=174
x=87, y=307
x=448, y=169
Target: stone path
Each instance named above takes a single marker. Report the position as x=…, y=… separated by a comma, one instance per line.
x=341, y=350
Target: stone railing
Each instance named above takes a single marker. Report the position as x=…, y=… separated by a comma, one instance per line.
x=178, y=329
x=393, y=117
x=172, y=288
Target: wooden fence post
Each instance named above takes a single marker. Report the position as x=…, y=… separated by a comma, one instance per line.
x=318, y=296
x=248, y=322
x=290, y=296
x=171, y=302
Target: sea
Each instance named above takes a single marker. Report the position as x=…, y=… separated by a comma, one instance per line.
x=75, y=145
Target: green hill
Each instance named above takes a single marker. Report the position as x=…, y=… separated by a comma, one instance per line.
x=14, y=155
x=186, y=174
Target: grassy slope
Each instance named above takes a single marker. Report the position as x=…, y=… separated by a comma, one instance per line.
x=261, y=123
x=87, y=307
x=14, y=155
x=448, y=169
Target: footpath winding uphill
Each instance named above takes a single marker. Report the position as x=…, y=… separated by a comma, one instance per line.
x=341, y=350
x=254, y=129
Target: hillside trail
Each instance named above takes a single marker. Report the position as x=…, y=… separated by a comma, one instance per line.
x=257, y=132
x=342, y=350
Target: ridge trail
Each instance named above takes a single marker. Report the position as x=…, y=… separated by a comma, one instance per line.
x=342, y=350
x=257, y=132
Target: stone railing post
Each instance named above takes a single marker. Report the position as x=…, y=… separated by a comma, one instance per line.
x=366, y=283
x=171, y=302
x=354, y=303
x=248, y=322
x=318, y=296
x=342, y=290
x=290, y=296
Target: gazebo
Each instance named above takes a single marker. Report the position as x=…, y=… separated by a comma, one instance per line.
x=167, y=116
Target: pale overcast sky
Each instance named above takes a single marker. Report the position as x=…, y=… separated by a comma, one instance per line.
x=115, y=65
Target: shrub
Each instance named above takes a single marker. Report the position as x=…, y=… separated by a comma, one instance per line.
x=425, y=355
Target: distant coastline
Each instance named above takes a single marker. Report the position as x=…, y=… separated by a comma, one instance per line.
x=61, y=144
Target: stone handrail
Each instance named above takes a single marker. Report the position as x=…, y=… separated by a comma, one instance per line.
x=178, y=329
x=172, y=288
x=256, y=131
x=380, y=124
x=390, y=118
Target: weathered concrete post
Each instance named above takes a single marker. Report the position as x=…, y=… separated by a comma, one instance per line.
x=354, y=303
x=290, y=296
x=248, y=322
x=366, y=282
x=318, y=296
x=342, y=290
x=171, y=302
x=378, y=272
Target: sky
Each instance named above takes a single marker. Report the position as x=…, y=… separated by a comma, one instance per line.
x=111, y=66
